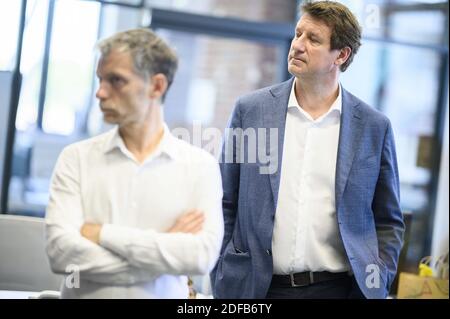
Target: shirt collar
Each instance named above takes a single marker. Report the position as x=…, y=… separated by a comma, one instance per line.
x=337, y=104
x=166, y=145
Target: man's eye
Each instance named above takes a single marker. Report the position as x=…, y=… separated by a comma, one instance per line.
x=116, y=80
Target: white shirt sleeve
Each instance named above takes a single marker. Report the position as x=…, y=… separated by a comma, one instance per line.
x=176, y=253
x=66, y=248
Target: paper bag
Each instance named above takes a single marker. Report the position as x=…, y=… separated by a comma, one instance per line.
x=413, y=286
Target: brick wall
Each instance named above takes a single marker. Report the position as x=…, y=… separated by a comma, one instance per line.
x=236, y=66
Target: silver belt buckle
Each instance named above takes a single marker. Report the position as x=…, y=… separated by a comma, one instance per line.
x=311, y=280
x=293, y=284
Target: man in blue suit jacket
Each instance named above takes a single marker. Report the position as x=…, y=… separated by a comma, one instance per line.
x=323, y=219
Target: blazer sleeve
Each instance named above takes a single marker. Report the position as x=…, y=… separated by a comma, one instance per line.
x=386, y=207
x=230, y=171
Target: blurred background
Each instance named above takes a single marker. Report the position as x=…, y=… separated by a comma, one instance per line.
x=226, y=48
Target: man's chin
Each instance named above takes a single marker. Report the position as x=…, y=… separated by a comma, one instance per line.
x=294, y=70
x=110, y=119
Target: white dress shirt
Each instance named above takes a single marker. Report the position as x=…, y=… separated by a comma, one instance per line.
x=99, y=181
x=306, y=234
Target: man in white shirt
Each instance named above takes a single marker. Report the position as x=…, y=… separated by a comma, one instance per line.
x=135, y=210
x=327, y=223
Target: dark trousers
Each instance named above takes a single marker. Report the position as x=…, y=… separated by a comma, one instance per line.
x=342, y=288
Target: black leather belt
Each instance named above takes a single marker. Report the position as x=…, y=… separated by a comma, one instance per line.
x=306, y=278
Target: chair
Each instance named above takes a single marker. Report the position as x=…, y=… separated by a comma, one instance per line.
x=24, y=265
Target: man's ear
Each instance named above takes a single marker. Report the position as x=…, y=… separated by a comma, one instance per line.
x=159, y=85
x=343, y=56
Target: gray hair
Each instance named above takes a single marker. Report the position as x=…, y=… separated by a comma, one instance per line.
x=150, y=54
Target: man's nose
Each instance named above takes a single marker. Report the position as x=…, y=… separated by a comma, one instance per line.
x=102, y=92
x=298, y=45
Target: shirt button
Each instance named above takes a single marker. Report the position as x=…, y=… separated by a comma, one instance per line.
x=268, y=252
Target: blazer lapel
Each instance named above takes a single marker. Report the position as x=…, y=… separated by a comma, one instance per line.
x=274, y=116
x=352, y=124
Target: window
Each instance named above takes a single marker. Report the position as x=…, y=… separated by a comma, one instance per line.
x=71, y=65
x=9, y=28
x=252, y=10
x=211, y=76
x=31, y=64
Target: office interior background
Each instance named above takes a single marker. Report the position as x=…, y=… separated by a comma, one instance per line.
x=226, y=48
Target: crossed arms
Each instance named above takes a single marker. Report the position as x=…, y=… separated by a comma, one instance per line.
x=115, y=254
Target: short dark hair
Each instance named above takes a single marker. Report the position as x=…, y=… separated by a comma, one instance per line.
x=345, y=29
x=150, y=54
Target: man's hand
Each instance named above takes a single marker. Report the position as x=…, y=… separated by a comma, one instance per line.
x=190, y=222
x=91, y=232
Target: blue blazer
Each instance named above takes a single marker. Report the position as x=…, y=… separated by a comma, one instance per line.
x=367, y=198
